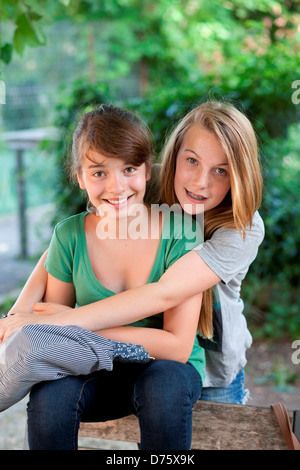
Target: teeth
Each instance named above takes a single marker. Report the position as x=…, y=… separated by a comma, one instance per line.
x=119, y=201
x=200, y=198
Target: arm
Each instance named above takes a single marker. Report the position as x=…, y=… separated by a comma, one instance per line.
x=174, y=342
x=187, y=277
x=34, y=289
x=59, y=292
x=180, y=323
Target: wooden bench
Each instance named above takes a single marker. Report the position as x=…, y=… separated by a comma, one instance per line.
x=216, y=426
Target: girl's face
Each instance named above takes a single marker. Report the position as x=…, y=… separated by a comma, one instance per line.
x=202, y=177
x=112, y=183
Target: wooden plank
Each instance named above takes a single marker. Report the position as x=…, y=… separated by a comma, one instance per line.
x=216, y=426
x=123, y=429
x=235, y=427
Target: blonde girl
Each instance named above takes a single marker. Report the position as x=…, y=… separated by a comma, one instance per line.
x=210, y=160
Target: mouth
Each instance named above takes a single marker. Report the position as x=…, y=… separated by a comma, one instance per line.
x=119, y=201
x=195, y=197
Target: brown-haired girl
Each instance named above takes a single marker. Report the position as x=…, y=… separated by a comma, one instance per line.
x=87, y=262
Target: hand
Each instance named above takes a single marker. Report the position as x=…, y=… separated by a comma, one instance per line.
x=14, y=322
x=48, y=308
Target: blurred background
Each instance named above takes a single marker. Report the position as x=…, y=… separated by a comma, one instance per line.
x=159, y=58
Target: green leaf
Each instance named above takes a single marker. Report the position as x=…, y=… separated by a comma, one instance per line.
x=18, y=41
x=6, y=53
x=27, y=32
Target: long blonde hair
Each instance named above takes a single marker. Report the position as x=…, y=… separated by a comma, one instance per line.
x=237, y=137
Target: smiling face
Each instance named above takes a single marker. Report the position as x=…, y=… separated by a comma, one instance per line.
x=202, y=172
x=113, y=183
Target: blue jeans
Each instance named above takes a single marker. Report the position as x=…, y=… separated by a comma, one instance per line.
x=232, y=393
x=161, y=394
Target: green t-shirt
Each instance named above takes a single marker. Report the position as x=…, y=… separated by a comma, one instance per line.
x=68, y=260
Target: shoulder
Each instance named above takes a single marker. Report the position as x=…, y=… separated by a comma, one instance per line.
x=66, y=240
x=231, y=237
x=71, y=221
x=69, y=226
x=257, y=225
x=228, y=253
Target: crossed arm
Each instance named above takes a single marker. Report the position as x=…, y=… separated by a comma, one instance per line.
x=175, y=341
x=177, y=294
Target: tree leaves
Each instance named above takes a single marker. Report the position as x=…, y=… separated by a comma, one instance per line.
x=28, y=32
x=26, y=20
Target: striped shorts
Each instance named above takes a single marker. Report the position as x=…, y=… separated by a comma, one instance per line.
x=38, y=353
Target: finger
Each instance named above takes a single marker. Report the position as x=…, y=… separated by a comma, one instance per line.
x=38, y=306
x=4, y=334
x=7, y=334
x=44, y=311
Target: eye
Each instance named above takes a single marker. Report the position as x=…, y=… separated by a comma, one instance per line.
x=98, y=174
x=192, y=160
x=221, y=171
x=130, y=170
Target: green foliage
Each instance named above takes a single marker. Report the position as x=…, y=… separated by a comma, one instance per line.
x=281, y=208
x=273, y=283
x=169, y=105
x=25, y=21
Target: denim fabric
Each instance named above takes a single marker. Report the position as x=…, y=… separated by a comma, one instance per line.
x=233, y=393
x=161, y=394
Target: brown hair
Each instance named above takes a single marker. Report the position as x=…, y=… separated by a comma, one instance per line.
x=114, y=132
x=237, y=137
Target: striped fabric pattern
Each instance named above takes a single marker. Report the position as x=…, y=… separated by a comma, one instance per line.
x=37, y=353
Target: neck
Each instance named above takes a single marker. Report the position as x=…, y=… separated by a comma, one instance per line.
x=124, y=225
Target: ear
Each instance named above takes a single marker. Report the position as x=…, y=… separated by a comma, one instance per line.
x=80, y=180
x=148, y=171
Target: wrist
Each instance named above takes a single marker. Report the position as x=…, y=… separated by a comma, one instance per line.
x=19, y=309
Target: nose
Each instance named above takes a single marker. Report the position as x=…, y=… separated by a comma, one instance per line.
x=115, y=183
x=201, y=178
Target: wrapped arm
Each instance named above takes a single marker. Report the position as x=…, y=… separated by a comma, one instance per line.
x=174, y=342
x=187, y=277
